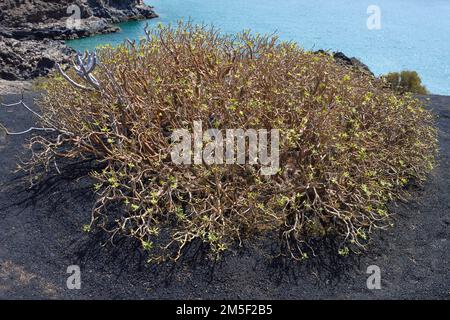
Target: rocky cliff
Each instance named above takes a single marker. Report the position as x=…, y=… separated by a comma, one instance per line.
x=31, y=30
x=63, y=19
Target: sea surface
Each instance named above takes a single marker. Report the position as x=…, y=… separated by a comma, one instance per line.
x=413, y=34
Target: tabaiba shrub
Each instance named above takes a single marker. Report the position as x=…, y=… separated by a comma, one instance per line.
x=405, y=81
x=348, y=145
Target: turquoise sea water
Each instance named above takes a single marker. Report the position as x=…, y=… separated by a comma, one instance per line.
x=414, y=34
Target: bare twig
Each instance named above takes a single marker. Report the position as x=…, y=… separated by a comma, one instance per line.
x=84, y=66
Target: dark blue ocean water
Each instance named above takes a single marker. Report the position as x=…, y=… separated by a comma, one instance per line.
x=414, y=34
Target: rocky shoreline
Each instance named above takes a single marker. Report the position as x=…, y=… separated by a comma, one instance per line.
x=67, y=19
x=32, y=32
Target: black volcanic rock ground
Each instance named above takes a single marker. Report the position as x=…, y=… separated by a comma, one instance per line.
x=41, y=235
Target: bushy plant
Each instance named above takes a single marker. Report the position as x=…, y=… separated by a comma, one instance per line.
x=348, y=145
x=406, y=81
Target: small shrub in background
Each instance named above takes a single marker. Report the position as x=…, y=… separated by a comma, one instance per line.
x=348, y=144
x=406, y=81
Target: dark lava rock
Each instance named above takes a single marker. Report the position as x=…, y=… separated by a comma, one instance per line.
x=8, y=75
x=45, y=63
x=342, y=58
x=39, y=19
x=39, y=23
x=352, y=62
x=23, y=60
